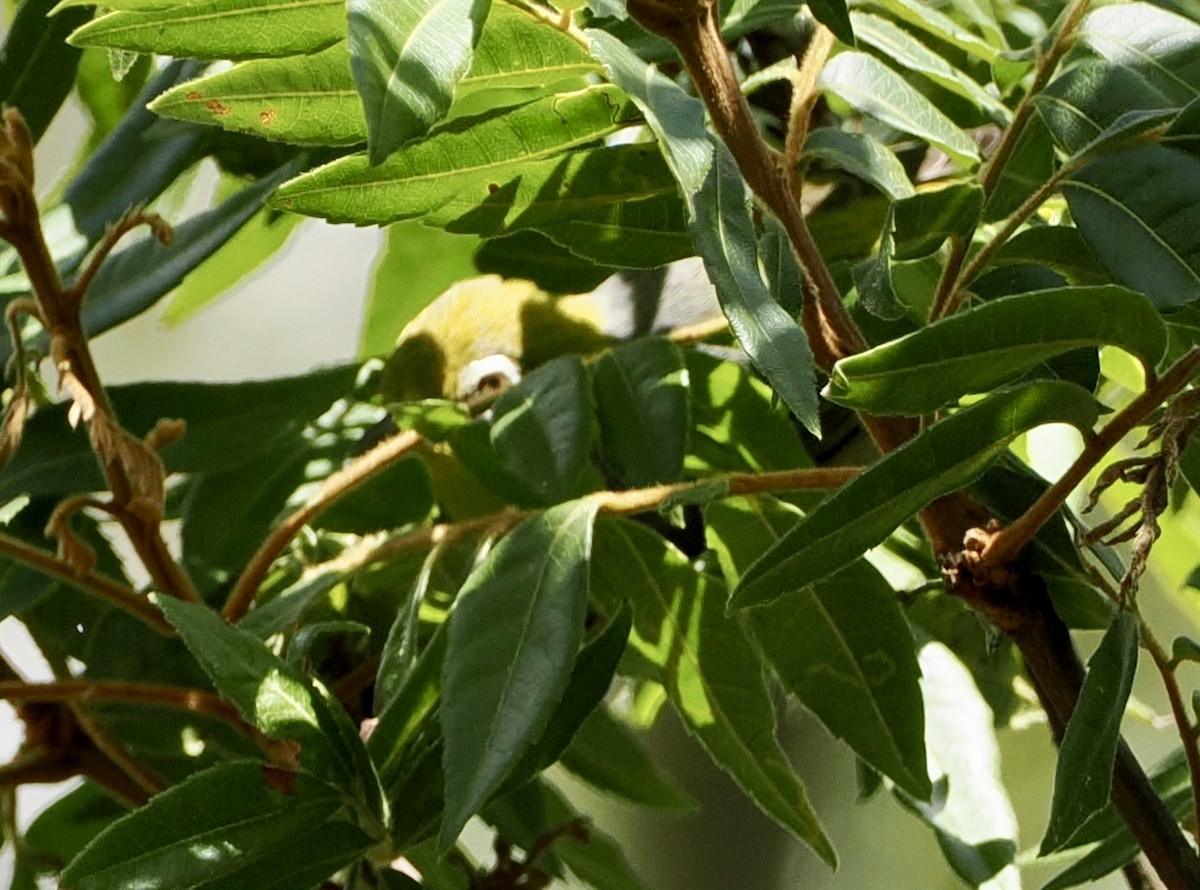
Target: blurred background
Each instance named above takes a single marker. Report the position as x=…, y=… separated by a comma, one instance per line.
x=304, y=310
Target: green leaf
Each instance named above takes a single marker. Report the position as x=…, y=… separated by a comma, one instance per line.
x=735, y=425
x=1116, y=846
x=902, y=48
x=69, y=824
x=612, y=205
x=641, y=391
x=973, y=821
x=842, y=646
x=925, y=220
x=514, y=635
x=607, y=756
x=228, y=425
x=937, y=24
x=834, y=15
x=590, y=680
x=1083, y=777
x=1060, y=248
x=1161, y=46
x=221, y=29
x=424, y=176
x=1030, y=166
x=535, y=257
x=1185, y=649
x=863, y=156
x=868, y=85
x=991, y=344
x=37, y=66
x=707, y=666
x=269, y=694
x=236, y=822
x=409, y=711
x=1139, y=210
x=538, y=807
x=407, y=58
x=873, y=277
x=403, y=284
x=944, y=458
x=302, y=99
x=519, y=57
x=1089, y=98
x=226, y=515
x=541, y=429
x=721, y=227
x=108, y=185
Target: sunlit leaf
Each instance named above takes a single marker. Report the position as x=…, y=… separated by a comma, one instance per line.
x=708, y=667
x=842, y=646
x=864, y=156
x=721, y=227
x=991, y=344
x=425, y=175
x=407, y=58
x=521, y=611
x=945, y=457
x=221, y=29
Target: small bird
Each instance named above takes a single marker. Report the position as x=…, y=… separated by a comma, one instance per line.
x=478, y=338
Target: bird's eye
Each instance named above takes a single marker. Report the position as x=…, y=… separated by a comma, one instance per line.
x=484, y=380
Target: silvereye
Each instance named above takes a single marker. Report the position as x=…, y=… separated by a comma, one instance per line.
x=476, y=339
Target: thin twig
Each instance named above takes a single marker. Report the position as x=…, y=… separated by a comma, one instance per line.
x=336, y=486
x=1004, y=545
x=1191, y=750
x=194, y=701
x=120, y=595
x=952, y=280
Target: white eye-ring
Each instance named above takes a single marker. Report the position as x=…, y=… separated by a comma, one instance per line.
x=487, y=378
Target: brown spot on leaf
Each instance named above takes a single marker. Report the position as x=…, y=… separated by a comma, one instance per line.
x=493, y=188
x=216, y=107
x=193, y=96
x=267, y=117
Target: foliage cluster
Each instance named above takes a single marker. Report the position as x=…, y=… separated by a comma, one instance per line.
x=945, y=225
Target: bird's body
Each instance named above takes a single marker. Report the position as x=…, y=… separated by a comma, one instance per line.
x=482, y=333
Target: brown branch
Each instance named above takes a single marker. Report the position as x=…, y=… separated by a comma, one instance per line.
x=1045, y=643
x=804, y=97
x=133, y=471
x=121, y=596
x=692, y=27
x=952, y=279
x=1183, y=725
x=336, y=486
x=1003, y=546
x=194, y=701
